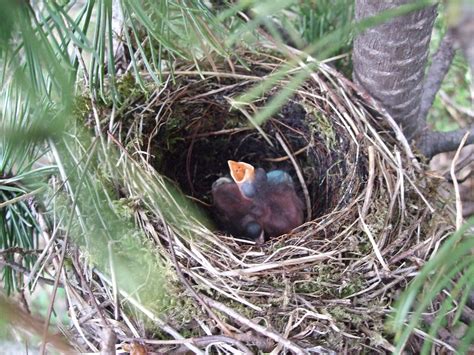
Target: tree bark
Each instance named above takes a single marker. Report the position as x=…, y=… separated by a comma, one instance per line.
x=433, y=143
x=389, y=60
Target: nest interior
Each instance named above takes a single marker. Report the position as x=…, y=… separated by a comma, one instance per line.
x=203, y=131
x=369, y=226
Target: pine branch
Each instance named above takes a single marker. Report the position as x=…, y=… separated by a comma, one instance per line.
x=23, y=270
x=441, y=62
x=433, y=143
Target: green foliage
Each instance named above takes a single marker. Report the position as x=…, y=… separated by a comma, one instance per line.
x=449, y=275
x=315, y=19
x=22, y=178
x=456, y=84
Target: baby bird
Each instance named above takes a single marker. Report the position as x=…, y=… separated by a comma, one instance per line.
x=256, y=204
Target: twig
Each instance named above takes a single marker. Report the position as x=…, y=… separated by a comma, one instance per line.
x=113, y=277
x=92, y=299
x=53, y=296
x=284, y=158
x=242, y=320
x=217, y=133
x=448, y=101
x=213, y=74
x=370, y=182
x=372, y=241
x=268, y=266
x=21, y=251
x=107, y=345
x=299, y=174
x=433, y=339
x=465, y=162
x=456, y=185
x=237, y=105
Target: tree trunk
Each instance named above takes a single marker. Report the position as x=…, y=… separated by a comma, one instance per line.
x=390, y=59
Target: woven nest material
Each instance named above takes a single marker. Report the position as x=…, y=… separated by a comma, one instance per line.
x=372, y=216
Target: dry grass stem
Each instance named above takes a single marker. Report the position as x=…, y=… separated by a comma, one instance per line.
x=459, y=218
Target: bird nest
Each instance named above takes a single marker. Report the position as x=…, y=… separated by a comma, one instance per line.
x=372, y=215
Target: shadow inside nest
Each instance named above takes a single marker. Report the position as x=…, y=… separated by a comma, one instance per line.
x=195, y=146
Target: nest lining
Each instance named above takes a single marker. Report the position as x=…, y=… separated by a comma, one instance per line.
x=330, y=283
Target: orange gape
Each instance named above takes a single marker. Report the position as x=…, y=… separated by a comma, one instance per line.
x=240, y=171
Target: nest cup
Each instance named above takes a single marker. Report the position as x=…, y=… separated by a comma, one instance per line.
x=369, y=207
x=301, y=139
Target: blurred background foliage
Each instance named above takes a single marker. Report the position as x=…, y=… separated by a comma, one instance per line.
x=56, y=55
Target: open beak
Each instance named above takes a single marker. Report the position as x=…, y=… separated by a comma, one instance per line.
x=244, y=176
x=241, y=172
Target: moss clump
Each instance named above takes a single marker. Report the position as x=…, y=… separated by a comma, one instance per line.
x=320, y=125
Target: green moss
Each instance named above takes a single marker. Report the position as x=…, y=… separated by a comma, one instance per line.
x=355, y=285
x=319, y=125
x=365, y=248
x=311, y=286
x=81, y=107
x=127, y=86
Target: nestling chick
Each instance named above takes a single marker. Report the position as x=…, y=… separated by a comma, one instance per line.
x=257, y=204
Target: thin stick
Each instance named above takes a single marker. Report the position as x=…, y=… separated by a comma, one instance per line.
x=372, y=241
x=258, y=328
x=455, y=183
x=268, y=266
x=370, y=182
x=113, y=277
x=215, y=74
x=53, y=296
x=237, y=105
x=21, y=269
x=298, y=152
x=299, y=174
